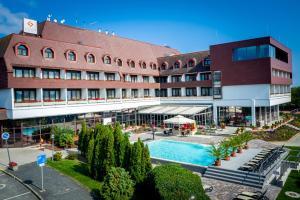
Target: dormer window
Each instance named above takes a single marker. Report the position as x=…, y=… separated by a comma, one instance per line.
x=90, y=58
x=107, y=60
x=143, y=65
x=191, y=63
x=49, y=53
x=177, y=65
x=119, y=62
x=163, y=66
x=22, y=50
x=154, y=66
x=132, y=64
x=71, y=56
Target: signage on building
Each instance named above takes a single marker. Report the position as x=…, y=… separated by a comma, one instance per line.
x=107, y=120
x=29, y=26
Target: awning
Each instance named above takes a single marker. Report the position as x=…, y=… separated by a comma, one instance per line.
x=174, y=109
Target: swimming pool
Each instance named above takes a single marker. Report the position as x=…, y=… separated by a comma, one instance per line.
x=183, y=152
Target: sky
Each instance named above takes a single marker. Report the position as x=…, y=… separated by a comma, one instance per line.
x=189, y=25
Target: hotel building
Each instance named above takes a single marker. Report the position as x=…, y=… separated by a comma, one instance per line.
x=67, y=71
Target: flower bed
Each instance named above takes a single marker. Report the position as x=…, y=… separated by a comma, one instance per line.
x=282, y=133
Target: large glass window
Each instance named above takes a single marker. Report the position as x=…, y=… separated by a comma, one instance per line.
x=146, y=79
x=111, y=93
x=73, y=75
x=24, y=72
x=25, y=95
x=93, y=76
x=205, y=76
x=190, y=77
x=146, y=92
x=134, y=93
x=22, y=50
x=51, y=94
x=93, y=94
x=133, y=78
x=254, y=52
x=74, y=94
x=191, y=91
x=161, y=92
x=176, y=92
x=176, y=78
x=51, y=73
x=110, y=76
x=206, y=91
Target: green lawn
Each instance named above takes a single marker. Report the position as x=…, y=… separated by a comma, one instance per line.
x=294, y=151
x=78, y=171
x=296, y=121
x=292, y=184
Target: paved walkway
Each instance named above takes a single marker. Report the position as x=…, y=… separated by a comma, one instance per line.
x=14, y=190
x=294, y=141
x=56, y=185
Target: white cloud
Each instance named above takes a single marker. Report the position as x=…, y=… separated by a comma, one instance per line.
x=10, y=22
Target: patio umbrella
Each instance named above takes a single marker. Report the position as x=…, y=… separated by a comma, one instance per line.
x=179, y=119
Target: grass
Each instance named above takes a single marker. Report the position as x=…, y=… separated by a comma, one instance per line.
x=283, y=133
x=296, y=121
x=294, y=151
x=292, y=184
x=78, y=171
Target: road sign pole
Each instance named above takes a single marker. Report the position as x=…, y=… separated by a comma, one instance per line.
x=42, y=172
x=52, y=136
x=8, y=152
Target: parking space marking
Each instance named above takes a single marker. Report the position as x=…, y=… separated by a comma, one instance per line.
x=2, y=186
x=17, y=196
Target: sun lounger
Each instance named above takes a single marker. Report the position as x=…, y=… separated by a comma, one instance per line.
x=256, y=195
x=242, y=197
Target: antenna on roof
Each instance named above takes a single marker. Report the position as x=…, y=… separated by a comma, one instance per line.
x=49, y=17
x=55, y=20
x=62, y=21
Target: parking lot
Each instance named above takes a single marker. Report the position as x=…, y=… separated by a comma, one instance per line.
x=11, y=189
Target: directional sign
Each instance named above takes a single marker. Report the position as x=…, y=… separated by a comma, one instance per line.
x=5, y=136
x=41, y=160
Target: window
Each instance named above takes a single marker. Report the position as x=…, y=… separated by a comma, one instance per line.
x=133, y=78
x=24, y=72
x=71, y=56
x=49, y=53
x=107, y=60
x=177, y=65
x=191, y=92
x=74, y=94
x=207, y=62
x=206, y=91
x=51, y=73
x=93, y=76
x=111, y=93
x=146, y=79
x=93, y=94
x=25, y=95
x=176, y=92
x=146, y=92
x=110, y=76
x=134, y=93
x=176, y=78
x=217, y=76
x=90, y=58
x=119, y=62
x=161, y=79
x=22, y=50
x=124, y=93
x=154, y=66
x=163, y=66
x=73, y=75
x=190, y=77
x=280, y=89
x=217, y=91
x=143, y=65
x=132, y=64
x=163, y=92
x=191, y=63
x=205, y=76
x=51, y=94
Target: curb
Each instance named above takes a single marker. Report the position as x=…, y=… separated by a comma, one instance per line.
x=26, y=185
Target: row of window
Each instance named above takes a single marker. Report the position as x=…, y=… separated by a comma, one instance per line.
x=259, y=51
x=280, y=89
x=178, y=64
x=177, y=92
x=48, y=53
x=281, y=74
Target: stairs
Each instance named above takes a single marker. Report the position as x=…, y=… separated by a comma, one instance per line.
x=235, y=176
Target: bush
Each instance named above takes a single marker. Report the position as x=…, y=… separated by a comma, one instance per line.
x=71, y=156
x=63, y=136
x=117, y=185
x=57, y=156
x=172, y=181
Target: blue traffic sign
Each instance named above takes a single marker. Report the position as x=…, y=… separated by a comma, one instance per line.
x=41, y=160
x=5, y=136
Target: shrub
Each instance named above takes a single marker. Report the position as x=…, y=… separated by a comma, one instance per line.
x=71, y=156
x=172, y=181
x=63, y=136
x=57, y=156
x=117, y=185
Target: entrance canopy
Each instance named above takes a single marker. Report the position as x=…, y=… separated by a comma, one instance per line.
x=179, y=119
x=174, y=110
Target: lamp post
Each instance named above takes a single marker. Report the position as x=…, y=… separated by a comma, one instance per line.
x=52, y=137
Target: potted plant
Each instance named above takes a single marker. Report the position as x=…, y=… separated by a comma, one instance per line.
x=223, y=125
x=216, y=151
x=233, y=144
x=239, y=143
x=246, y=137
x=225, y=144
x=13, y=166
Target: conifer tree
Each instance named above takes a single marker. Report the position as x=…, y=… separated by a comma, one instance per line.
x=91, y=157
x=135, y=164
x=119, y=147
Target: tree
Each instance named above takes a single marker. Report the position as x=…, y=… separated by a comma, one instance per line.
x=135, y=163
x=146, y=160
x=127, y=152
x=117, y=185
x=91, y=157
x=119, y=145
x=81, y=136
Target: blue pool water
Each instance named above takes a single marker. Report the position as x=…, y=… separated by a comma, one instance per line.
x=191, y=153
